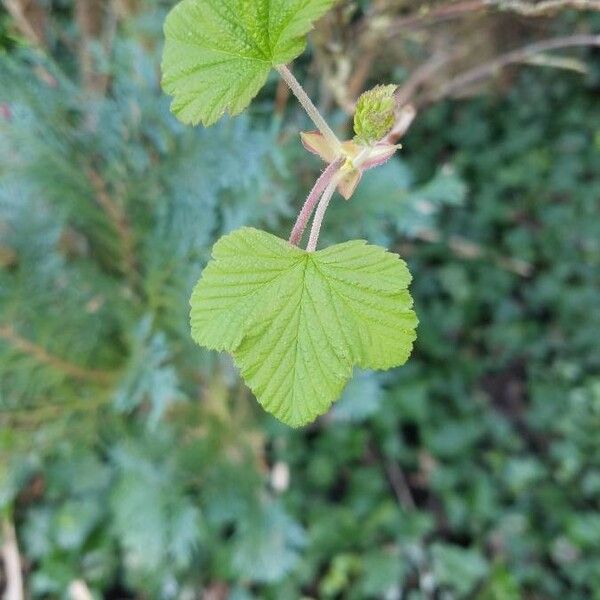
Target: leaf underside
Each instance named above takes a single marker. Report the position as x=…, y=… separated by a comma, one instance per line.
x=296, y=322
x=218, y=53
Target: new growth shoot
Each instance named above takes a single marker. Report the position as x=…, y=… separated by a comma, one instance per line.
x=295, y=321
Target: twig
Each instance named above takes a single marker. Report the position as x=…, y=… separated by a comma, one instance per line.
x=8, y=334
x=558, y=62
x=12, y=561
x=405, y=92
x=440, y=13
x=16, y=10
x=515, y=56
x=458, y=9
x=530, y=9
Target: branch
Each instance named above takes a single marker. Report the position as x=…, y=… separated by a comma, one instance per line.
x=529, y=9
x=8, y=334
x=454, y=10
x=515, y=56
x=405, y=92
x=12, y=562
x=33, y=32
x=434, y=15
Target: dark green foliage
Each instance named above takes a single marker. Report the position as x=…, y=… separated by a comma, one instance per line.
x=133, y=461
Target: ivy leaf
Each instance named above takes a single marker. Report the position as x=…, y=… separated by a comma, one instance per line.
x=218, y=53
x=297, y=322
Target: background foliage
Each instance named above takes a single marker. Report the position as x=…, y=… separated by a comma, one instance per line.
x=137, y=463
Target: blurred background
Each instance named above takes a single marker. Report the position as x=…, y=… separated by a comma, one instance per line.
x=134, y=464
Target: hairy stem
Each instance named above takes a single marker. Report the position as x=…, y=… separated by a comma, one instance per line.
x=311, y=201
x=318, y=220
x=310, y=108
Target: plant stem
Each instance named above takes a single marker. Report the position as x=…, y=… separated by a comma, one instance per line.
x=311, y=201
x=318, y=220
x=310, y=108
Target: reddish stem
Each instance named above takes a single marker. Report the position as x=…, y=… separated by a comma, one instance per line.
x=318, y=220
x=311, y=201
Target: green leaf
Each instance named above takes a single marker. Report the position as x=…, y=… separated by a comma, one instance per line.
x=218, y=53
x=458, y=568
x=296, y=322
x=267, y=545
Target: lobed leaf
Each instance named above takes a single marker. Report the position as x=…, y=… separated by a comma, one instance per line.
x=218, y=53
x=297, y=322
